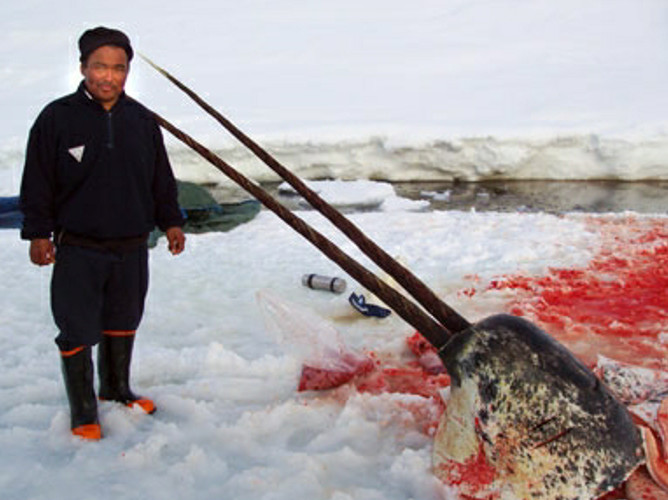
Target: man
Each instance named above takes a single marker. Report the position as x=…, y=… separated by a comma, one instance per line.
x=96, y=181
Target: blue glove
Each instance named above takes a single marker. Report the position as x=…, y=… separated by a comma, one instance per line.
x=359, y=303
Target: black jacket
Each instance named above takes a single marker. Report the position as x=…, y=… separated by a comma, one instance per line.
x=97, y=173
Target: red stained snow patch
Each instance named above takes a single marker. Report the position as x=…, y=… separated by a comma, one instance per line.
x=314, y=378
x=616, y=306
x=369, y=374
x=414, y=380
x=426, y=354
x=473, y=479
x=405, y=380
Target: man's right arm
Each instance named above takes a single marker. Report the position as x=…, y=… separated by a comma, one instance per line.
x=38, y=184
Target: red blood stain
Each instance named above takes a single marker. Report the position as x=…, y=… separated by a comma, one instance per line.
x=616, y=306
x=473, y=478
x=375, y=376
x=316, y=378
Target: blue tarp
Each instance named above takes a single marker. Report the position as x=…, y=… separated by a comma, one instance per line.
x=10, y=215
x=200, y=209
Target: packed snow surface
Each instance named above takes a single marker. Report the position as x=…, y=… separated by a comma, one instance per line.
x=231, y=423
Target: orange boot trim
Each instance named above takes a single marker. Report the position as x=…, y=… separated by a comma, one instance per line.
x=89, y=432
x=120, y=333
x=67, y=354
x=145, y=404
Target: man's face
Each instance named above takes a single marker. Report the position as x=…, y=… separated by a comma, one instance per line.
x=105, y=73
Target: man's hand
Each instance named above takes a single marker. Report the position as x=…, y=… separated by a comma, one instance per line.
x=42, y=252
x=176, y=240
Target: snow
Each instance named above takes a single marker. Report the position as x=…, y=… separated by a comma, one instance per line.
x=230, y=422
x=429, y=89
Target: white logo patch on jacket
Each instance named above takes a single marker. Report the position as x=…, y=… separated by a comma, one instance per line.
x=77, y=152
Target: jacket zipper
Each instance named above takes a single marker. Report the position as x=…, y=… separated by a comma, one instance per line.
x=110, y=131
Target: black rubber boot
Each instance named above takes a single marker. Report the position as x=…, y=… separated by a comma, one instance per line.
x=114, y=356
x=77, y=367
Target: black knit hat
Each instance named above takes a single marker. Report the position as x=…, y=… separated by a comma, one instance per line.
x=95, y=38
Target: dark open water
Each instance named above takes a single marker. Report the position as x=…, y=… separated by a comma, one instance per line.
x=543, y=196
x=530, y=196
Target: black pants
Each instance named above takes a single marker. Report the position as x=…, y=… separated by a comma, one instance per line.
x=95, y=290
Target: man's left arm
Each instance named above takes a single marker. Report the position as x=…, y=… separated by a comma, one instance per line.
x=176, y=240
x=168, y=213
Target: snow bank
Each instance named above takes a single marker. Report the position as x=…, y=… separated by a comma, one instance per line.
x=470, y=159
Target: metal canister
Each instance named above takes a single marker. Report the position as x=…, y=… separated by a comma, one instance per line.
x=319, y=282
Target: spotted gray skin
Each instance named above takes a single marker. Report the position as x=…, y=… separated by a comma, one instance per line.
x=632, y=384
x=548, y=426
